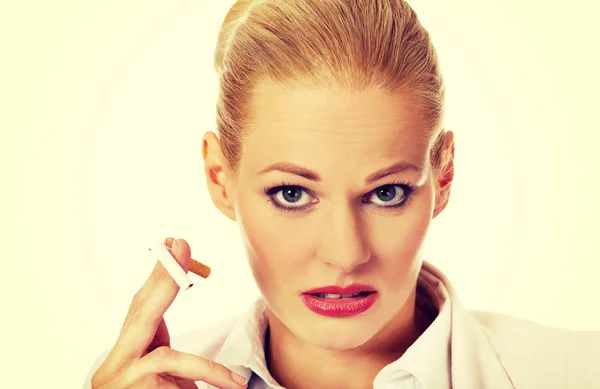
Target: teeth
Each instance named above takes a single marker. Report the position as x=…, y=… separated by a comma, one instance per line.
x=338, y=296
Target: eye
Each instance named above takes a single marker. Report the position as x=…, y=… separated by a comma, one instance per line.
x=290, y=196
x=389, y=195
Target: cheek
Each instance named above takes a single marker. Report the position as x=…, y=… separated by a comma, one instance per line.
x=398, y=243
x=275, y=245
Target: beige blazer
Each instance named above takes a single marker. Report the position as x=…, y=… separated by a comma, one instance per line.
x=505, y=352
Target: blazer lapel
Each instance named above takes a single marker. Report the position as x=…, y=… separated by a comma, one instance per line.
x=474, y=362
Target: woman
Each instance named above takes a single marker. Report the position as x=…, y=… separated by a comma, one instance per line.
x=333, y=160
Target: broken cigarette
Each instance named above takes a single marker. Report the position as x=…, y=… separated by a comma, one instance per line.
x=172, y=266
x=199, y=268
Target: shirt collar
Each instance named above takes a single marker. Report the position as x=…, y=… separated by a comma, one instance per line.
x=427, y=359
x=243, y=350
x=475, y=363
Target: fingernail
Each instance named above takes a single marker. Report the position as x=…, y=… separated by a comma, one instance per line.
x=174, y=246
x=238, y=378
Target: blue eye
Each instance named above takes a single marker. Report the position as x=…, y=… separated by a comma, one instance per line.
x=289, y=197
x=391, y=195
x=292, y=198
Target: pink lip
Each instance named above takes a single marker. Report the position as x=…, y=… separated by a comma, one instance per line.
x=342, y=307
x=351, y=289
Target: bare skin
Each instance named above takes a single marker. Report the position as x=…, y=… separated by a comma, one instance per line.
x=307, y=199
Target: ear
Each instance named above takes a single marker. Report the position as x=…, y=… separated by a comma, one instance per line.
x=219, y=177
x=444, y=174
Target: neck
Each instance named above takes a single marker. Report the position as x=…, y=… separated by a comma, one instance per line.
x=290, y=358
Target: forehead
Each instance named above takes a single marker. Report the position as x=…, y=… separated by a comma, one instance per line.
x=326, y=127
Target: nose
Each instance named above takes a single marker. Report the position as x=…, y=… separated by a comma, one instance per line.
x=344, y=244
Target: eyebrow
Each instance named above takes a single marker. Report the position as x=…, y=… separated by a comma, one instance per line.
x=288, y=167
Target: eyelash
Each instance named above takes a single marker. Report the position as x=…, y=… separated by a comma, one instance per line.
x=270, y=192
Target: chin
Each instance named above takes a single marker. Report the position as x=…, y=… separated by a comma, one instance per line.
x=330, y=333
x=337, y=341
x=338, y=334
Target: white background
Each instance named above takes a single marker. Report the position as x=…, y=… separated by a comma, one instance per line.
x=103, y=106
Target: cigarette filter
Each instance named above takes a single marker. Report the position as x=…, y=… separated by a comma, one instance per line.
x=175, y=270
x=199, y=268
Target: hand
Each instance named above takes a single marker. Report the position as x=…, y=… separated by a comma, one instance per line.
x=142, y=356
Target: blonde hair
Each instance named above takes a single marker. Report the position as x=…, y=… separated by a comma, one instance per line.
x=351, y=44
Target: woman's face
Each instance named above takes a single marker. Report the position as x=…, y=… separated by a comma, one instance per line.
x=334, y=188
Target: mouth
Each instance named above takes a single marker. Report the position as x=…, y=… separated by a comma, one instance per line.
x=340, y=296
x=334, y=301
x=337, y=292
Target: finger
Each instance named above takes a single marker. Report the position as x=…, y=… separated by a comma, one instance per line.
x=185, y=384
x=143, y=321
x=171, y=380
x=165, y=360
x=161, y=338
x=181, y=383
x=169, y=241
x=154, y=381
x=154, y=298
x=195, y=267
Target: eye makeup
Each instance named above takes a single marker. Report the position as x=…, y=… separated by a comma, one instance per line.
x=273, y=191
